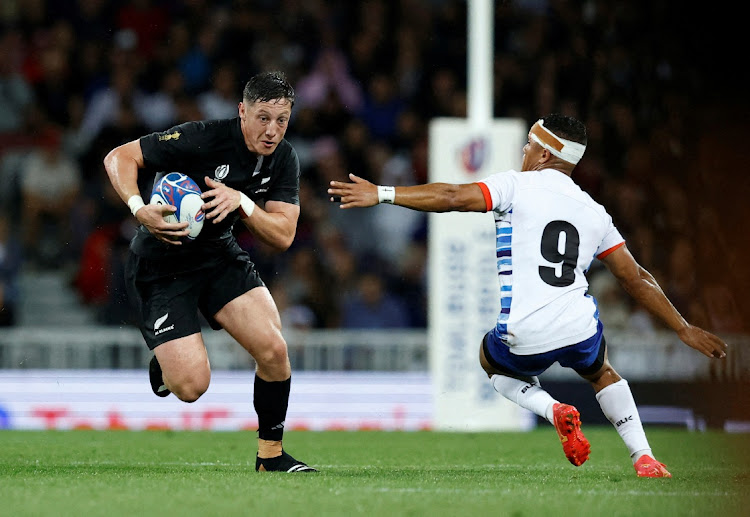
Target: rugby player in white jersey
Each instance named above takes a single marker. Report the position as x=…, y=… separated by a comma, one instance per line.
x=548, y=233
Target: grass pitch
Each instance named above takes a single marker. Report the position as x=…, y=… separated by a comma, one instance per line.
x=122, y=473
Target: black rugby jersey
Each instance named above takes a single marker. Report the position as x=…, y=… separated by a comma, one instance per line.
x=216, y=149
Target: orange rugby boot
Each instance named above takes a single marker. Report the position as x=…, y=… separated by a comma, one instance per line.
x=648, y=467
x=568, y=425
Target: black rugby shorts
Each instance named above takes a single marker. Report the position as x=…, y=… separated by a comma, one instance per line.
x=167, y=302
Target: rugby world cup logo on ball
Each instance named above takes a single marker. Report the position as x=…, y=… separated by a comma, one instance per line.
x=182, y=192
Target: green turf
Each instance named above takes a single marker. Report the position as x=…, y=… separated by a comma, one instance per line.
x=121, y=473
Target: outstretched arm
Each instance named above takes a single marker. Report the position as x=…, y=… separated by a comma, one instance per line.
x=642, y=286
x=431, y=197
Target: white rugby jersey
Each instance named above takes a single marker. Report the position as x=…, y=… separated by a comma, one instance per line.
x=548, y=233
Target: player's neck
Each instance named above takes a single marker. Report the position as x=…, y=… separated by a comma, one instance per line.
x=557, y=165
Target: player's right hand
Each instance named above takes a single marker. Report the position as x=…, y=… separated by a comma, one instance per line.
x=703, y=341
x=152, y=217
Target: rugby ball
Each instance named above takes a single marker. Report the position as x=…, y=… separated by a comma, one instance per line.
x=182, y=192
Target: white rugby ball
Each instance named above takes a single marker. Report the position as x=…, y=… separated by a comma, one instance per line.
x=182, y=192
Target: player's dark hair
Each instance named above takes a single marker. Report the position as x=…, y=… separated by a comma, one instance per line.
x=267, y=86
x=566, y=127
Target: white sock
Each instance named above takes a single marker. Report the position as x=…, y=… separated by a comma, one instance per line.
x=618, y=405
x=529, y=396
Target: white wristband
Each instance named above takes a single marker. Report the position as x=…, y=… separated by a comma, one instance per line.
x=386, y=194
x=247, y=206
x=135, y=203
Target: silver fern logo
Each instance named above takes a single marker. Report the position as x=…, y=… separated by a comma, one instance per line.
x=159, y=322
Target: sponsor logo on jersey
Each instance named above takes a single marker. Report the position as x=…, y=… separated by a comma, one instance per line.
x=221, y=172
x=169, y=136
x=260, y=190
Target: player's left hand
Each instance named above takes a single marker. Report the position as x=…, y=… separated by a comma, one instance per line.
x=359, y=193
x=220, y=201
x=706, y=343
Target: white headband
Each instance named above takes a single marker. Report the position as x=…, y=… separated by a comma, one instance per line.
x=567, y=150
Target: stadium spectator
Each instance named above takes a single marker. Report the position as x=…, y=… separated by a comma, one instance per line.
x=196, y=65
x=104, y=105
x=92, y=20
x=16, y=94
x=50, y=184
x=329, y=75
x=381, y=108
x=546, y=315
x=55, y=84
x=294, y=315
x=306, y=284
x=148, y=22
x=372, y=307
x=158, y=109
x=219, y=102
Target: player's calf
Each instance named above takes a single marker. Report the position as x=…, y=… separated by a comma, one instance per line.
x=186, y=388
x=156, y=378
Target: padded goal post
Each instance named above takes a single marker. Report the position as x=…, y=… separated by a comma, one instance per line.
x=464, y=298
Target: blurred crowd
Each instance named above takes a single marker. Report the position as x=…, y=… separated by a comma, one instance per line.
x=79, y=77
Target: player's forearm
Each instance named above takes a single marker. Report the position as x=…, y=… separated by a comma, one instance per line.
x=433, y=197
x=646, y=291
x=274, y=229
x=430, y=197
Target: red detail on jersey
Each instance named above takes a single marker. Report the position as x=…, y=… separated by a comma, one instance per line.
x=610, y=250
x=486, y=194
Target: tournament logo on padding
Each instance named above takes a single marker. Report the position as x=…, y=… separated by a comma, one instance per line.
x=474, y=154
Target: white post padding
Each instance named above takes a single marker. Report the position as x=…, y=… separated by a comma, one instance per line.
x=464, y=293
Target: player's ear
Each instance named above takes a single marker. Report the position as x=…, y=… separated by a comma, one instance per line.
x=241, y=110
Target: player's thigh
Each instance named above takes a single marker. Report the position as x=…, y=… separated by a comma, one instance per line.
x=253, y=320
x=484, y=362
x=496, y=369
x=184, y=362
x=230, y=279
x=166, y=304
x=497, y=359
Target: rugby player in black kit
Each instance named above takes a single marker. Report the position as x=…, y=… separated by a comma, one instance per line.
x=236, y=162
